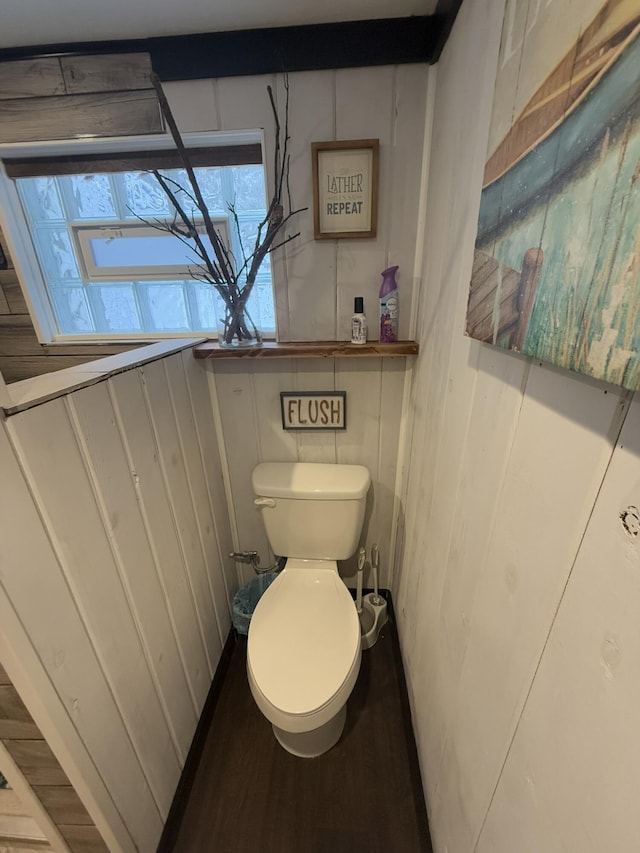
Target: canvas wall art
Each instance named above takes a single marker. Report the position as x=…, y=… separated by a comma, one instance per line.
x=556, y=271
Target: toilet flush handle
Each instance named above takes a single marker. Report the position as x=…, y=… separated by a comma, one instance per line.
x=264, y=502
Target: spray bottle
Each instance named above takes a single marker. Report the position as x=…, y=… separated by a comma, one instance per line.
x=358, y=322
x=389, y=307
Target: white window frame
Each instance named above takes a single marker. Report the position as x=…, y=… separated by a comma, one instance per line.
x=16, y=229
x=82, y=233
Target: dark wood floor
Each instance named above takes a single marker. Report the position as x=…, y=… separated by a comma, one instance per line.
x=363, y=796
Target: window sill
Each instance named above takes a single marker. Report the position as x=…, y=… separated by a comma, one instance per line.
x=310, y=349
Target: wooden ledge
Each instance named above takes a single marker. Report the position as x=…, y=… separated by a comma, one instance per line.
x=310, y=349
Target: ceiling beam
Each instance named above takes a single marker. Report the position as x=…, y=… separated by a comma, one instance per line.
x=388, y=41
x=447, y=11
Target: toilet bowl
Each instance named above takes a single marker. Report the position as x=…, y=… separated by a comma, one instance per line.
x=303, y=655
x=304, y=648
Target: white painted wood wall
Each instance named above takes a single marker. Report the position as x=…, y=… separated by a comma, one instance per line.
x=519, y=590
x=114, y=524
x=318, y=280
x=247, y=396
x=116, y=585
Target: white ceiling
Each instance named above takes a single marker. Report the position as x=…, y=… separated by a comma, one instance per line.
x=33, y=22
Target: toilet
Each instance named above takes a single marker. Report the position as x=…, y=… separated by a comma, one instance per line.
x=303, y=652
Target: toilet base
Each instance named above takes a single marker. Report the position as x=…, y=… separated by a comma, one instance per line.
x=317, y=741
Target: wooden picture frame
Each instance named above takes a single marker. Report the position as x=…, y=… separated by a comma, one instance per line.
x=345, y=188
x=319, y=410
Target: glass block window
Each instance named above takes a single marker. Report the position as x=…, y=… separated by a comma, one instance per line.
x=82, y=225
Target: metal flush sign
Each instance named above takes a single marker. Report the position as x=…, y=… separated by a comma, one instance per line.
x=314, y=409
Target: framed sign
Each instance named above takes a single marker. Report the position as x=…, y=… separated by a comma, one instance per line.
x=345, y=188
x=314, y=409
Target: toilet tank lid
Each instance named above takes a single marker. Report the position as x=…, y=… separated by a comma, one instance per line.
x=310, y=481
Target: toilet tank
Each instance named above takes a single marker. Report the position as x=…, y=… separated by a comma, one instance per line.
x=312, y=510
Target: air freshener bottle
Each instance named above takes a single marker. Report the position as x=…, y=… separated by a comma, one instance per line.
x=358, y=322
x=389, y=307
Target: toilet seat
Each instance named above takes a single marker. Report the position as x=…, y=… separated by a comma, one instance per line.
x=303, y=653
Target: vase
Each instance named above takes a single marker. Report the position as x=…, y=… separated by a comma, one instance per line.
x=236, y=329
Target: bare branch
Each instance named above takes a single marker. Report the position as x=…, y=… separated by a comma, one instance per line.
x=221, y=273
x=186, y=161
x=214, y=270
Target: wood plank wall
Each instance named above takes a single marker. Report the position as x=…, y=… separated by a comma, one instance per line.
x=41, y=770
x=59, y=98
x=517, y=597
x=115, y=538
x=248, y=400
x=316, y=281
x=21, y=354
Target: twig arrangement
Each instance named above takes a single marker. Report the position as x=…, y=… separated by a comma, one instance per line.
x=233, y=278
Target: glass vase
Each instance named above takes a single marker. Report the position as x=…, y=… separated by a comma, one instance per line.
x=236, y=329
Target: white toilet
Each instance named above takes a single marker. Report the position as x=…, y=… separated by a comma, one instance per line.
x=303, y=653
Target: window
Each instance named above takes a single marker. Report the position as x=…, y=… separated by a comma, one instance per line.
x=102, y=271
x=123, y=250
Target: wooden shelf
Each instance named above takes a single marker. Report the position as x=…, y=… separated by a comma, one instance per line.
x=309, y=349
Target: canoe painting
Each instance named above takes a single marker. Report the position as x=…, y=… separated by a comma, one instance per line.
x=556, y=272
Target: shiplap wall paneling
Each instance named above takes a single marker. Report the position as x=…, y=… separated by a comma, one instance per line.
x=211, y=566
x=59, y=98
x=211, y=453
x=316, y=281
x=310, y=297
x=106, y=73
x=459, y=540
x=97, y=427
x=51, y=452
x=5, y=397
x=172, y=454
x=248, y=397
x=374, y=393
x=562, y=443
x=316, y=376
x=404, y=238
x=66, y=116
x=16, y=826
x=193, y=104
x=17, y=339
x=157, y=509
x=446, y=382
x=47, y=647
x=506, y=462
x=422, y=581
x=31, y=78
x=364, y=109
x=22, y=818
x=118, y=475
x=243, y=425
x=48, y=76
x=572, y=770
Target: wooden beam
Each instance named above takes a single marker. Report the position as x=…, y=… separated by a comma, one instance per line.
x=235, y=53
